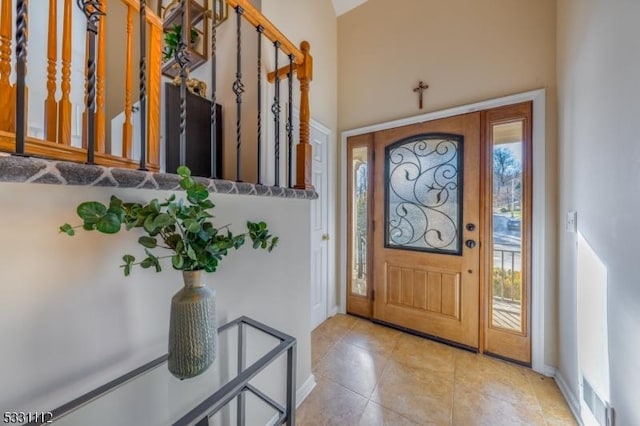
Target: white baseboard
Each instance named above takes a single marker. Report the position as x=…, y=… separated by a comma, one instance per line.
x=548, y=371
x=571, y=399
x=333, y=311
x=301, y=394
x=304, y=390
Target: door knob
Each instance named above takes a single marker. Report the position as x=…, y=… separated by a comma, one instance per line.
x=471, y=227
x=470, y=243
x=325, y=237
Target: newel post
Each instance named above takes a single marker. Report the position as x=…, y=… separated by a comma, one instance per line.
x=303, y=149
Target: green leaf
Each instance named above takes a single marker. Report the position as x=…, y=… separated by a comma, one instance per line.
x=192, y=225
x=206, y=204
x=154, y=205
x=147, y=263
x=89, y=226
x=177, y=261
x=128, y=262
x=274, y=242
x=109, y=224
x=115, y=202
x=191, y=253
x=198, y=192
x=91, y=211
x=148, y=224
x=119, y=212
x=183, y=171
x=187, y=183
x=67, y=229
x=148, y=242
x=162, y=220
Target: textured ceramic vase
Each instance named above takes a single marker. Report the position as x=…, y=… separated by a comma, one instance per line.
x=193, y=334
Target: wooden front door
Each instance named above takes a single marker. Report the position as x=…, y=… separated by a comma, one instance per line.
x=426, y=228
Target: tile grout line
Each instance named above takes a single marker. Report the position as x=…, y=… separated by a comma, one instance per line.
x=453, y=388
x=542, y=413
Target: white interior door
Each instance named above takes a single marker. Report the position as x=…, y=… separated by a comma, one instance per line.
x=320, y=138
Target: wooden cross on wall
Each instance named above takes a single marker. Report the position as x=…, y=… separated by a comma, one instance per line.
x=421, y=88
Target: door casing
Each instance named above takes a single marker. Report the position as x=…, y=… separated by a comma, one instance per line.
x=541, y=278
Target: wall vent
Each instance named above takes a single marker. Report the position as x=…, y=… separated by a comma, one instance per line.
x=601, y=410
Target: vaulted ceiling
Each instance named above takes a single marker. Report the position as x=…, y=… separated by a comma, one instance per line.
x=343, y=6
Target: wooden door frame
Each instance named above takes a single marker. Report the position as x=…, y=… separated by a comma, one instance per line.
x=541, y=280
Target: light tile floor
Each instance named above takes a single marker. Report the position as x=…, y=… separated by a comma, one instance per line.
x=371, y=375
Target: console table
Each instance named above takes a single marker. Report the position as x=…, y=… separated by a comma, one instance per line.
x=150, y=395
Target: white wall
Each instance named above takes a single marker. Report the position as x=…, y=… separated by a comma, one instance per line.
x=599, y=157
x=315, y=22
x=69, y=318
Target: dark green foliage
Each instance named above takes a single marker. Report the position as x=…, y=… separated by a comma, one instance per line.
x=180, y=227
x=172, y=39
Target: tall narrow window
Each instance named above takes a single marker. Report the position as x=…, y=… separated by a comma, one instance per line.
x=359, y=218
x=359, y=224
x=507, y=205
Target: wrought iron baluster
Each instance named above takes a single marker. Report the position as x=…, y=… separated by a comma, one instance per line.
x=143, y=84
x=92, y=9
x=275, y=108
x=260, y=30
x=214, y=110
x=182, y=60
x=290, y=123
x=238, y=89
x=22, y=11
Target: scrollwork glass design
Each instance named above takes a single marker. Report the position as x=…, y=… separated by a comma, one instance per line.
x=423, y=206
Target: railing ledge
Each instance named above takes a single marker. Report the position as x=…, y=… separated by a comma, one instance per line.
x=15, y=168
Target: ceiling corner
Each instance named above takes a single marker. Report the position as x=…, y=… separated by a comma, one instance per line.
x=343, y=6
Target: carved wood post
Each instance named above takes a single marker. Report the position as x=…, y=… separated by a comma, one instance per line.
x=303, y=149
x=155, y=75
x=127, y=127
x=64, y=105
x=8, y=99
x=50, y=104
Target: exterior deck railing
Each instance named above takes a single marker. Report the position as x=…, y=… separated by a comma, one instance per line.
x=507, y=279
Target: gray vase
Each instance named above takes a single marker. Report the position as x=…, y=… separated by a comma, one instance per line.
x=193, y=334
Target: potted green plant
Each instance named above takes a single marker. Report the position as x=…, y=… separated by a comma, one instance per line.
x=172, y=39
x=194, y=244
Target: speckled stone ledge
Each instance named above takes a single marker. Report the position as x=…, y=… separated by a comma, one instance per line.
x=36, y=170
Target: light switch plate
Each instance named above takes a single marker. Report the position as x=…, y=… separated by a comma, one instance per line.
x=572, y=221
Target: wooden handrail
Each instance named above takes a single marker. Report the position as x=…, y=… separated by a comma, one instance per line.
x=255, y=18
x=282, y=73
x=152, y=18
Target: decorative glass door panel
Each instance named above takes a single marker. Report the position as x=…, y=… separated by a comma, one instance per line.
x=426, y=264
x=423, y=208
